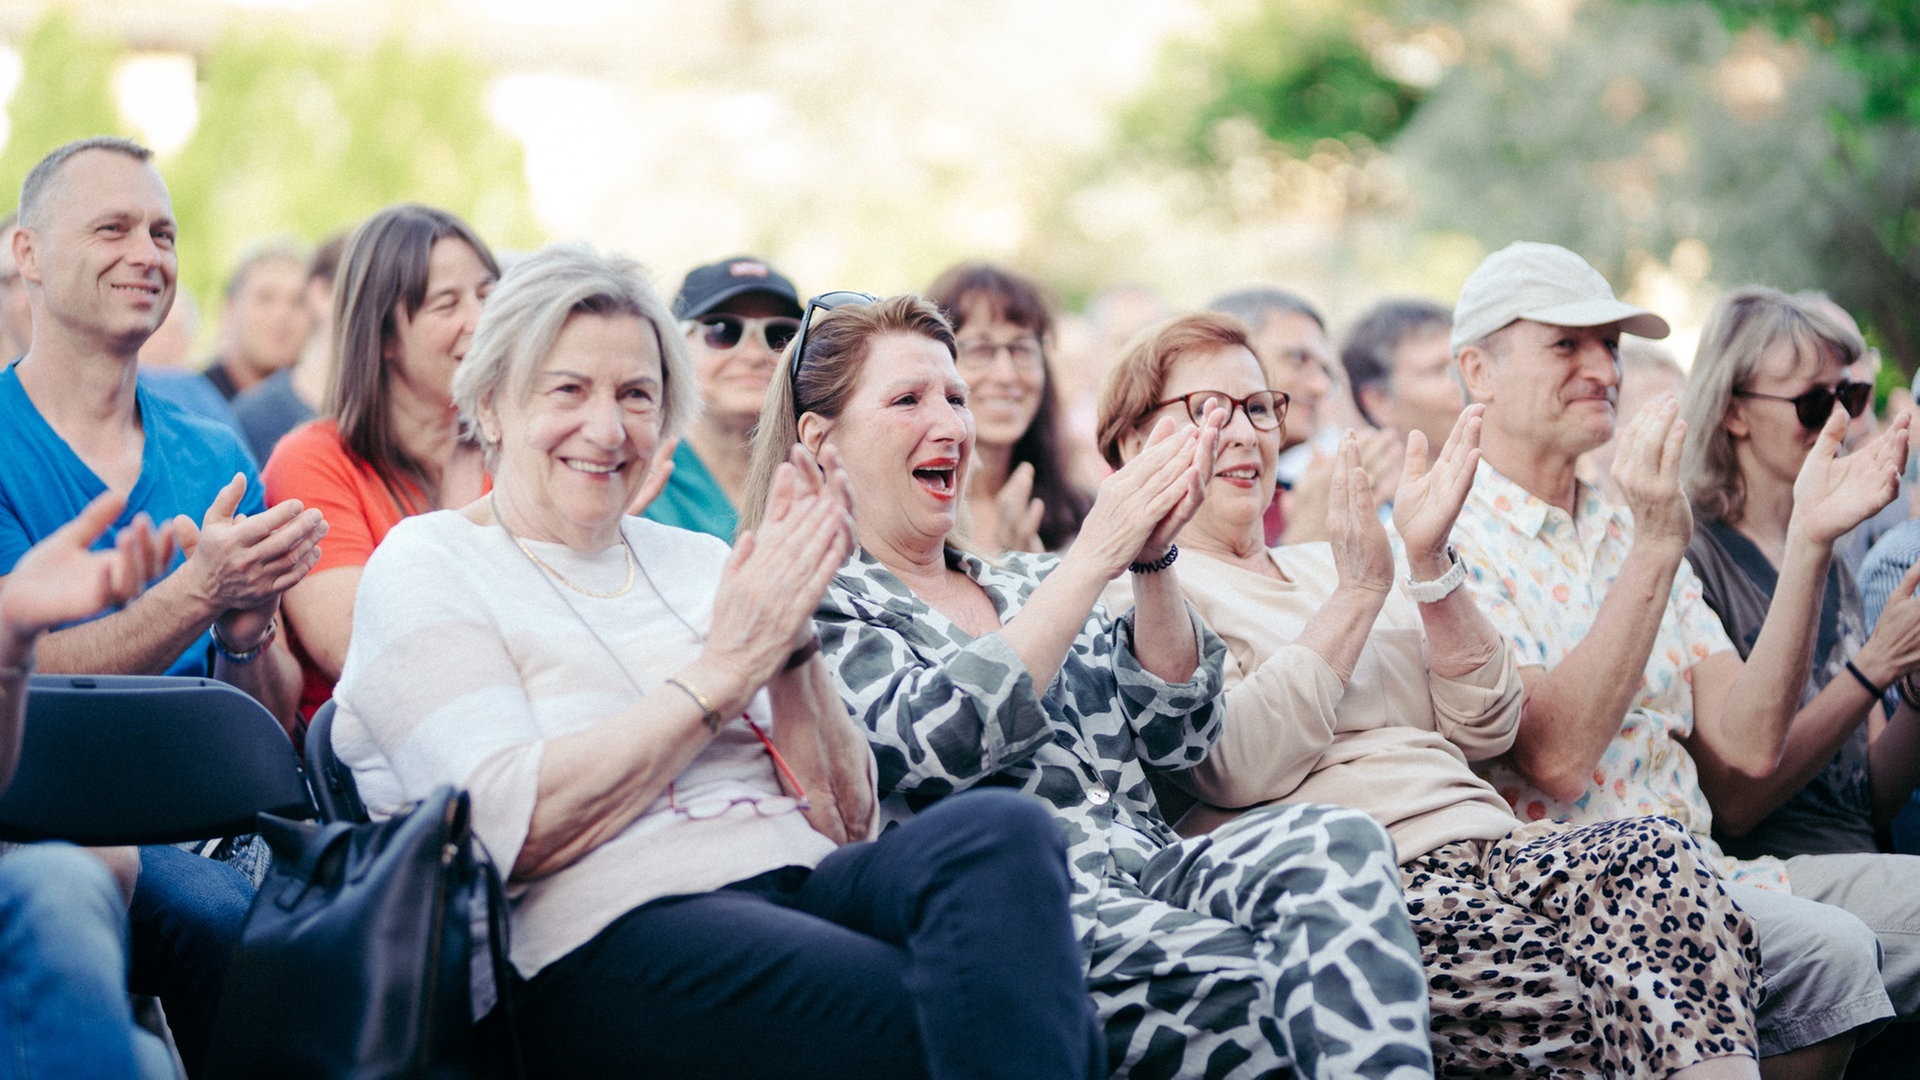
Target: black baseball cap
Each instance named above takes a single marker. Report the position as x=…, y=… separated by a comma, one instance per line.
x=709, y=286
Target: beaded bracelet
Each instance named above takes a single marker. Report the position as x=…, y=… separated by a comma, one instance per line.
x=1157, y=565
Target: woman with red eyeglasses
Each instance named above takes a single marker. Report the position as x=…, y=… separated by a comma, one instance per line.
x=1769, y=382
x=737, y=314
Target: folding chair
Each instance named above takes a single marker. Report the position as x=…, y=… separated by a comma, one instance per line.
x=334, y=791
x=147, y=759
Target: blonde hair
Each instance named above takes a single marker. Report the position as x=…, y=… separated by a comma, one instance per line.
x=838, y=342
x=1744, y=328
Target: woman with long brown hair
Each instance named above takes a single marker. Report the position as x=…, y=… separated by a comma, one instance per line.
x=390, y=445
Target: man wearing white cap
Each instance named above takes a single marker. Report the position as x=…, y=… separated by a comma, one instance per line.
x=1636, y=701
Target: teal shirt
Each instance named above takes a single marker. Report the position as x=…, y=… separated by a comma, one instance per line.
x=693, y=500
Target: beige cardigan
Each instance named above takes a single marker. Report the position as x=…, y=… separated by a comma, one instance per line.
x=1394, y=741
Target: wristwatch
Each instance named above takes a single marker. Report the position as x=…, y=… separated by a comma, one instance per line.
x=233, y=656
x=1432, y=592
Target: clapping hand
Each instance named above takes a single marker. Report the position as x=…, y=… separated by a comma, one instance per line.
x=60, y=580
x=239, y=565
x=1429, y=498
x=1361, y=552
x=1142, y=506
x=1646, y=472
x=1835, y=492
x=1017, y=513
x=1893, y=650
x=773, y=582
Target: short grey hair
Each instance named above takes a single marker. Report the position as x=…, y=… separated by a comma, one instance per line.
x=33, y=190
x=526, y=311
x=1494, y=345
x=1254, y=305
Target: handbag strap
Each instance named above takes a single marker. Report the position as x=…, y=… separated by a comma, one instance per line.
x=497, y=948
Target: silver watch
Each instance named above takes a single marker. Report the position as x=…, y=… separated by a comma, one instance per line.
x=1432, y=592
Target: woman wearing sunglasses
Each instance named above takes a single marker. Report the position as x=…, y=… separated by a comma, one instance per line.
x=737, y=315
x=1768, y=382
x=411, y=283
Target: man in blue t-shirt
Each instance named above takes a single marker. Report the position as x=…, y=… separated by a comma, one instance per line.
x=95, y=249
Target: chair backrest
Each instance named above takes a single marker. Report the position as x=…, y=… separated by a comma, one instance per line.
x=334, y=791
x=147, y=759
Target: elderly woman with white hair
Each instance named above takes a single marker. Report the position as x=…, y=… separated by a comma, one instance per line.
x=657, y=755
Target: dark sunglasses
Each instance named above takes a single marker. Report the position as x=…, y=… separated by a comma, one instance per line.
x=1266, y=409
x=1814, y=406
x=723, y=332
x=824, y=302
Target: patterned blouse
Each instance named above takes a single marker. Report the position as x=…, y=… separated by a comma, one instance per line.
x=1540, y=576
x=945, y=711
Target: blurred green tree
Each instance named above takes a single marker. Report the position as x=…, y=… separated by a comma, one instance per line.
x=65, y=93
x=308, y=140
x=1296, y=69
x=1869, y=248
x=294, y=139
x=1723, y=140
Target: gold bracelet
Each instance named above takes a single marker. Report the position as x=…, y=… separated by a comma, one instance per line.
x=707, y=715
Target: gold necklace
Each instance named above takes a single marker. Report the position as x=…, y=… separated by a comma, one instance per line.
x=494, y=503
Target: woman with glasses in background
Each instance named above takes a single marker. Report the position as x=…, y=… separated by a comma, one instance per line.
x=1768, y=382
x=1021, y=496
x=410, y=286
x=737, y=315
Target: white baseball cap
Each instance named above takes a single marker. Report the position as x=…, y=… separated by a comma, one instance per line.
x=1545, y=283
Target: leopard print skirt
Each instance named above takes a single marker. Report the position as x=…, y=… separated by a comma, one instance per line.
x=1575, y=951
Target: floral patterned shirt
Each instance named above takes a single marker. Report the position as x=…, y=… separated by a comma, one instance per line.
x=945, y=711
x=1540, y=575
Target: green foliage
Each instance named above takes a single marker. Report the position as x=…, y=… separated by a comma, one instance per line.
x=1879, y=40
x=300, y=139
x=65, y=93
x=1869, y=247
x=294, y=140
x=1294, y=68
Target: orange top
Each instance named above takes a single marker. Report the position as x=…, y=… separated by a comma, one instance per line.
x=313, y=465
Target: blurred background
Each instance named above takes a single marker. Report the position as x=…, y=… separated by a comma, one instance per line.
x=1347, y=150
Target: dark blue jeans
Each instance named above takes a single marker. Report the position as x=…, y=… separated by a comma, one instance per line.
x=187, y=914
x=943, y=949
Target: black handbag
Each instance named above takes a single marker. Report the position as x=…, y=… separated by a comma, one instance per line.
x=354, y=961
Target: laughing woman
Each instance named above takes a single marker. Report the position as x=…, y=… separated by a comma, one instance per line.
x=1279, y=943
x=655, y=750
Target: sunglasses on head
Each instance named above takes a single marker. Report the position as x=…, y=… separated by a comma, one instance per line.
x=723, y=332
x=824, y=302
x=1814, y=406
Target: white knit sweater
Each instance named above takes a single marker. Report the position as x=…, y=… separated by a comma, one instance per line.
x=466, y=658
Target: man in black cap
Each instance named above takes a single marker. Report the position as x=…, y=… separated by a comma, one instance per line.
x=738, y=315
